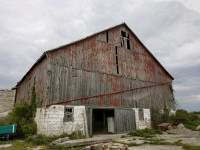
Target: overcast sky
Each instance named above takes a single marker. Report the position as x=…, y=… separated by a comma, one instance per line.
x=170, y=29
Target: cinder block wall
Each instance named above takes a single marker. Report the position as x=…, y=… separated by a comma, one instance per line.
x=50, y=120
x=142, y=124
x=7, y=99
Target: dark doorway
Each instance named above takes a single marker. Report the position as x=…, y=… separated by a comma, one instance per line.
x=100, y=120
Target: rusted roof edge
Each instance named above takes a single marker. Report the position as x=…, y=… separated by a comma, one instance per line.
x=38, y=61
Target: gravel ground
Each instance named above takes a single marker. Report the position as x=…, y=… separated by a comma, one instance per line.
x=187, y=139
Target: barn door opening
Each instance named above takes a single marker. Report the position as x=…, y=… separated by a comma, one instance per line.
x=102, y=121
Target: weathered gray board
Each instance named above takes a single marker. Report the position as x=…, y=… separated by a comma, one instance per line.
x=124, y=120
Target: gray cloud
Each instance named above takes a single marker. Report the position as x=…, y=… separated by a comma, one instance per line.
x=169, y=28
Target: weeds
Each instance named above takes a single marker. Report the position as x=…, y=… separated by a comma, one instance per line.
x=76, y=135
x=46, y=140
x=18, y=145
x=43, y=140
x=146, y=133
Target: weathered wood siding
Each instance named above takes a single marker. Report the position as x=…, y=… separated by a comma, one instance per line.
x=38, y=77
x=124, y=120
x=88, y=67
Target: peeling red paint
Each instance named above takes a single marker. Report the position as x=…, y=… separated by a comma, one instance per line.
x=88, y=67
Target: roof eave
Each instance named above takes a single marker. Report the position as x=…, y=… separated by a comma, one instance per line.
x=38, y=61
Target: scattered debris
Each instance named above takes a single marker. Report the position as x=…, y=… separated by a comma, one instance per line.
x=60, y=140
x=83, y=142
x=107, y=146
x=184, y=131
x=198, y=127
x=180, y=126
x=165, y=126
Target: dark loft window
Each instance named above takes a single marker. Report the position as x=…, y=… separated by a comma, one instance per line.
x=68, y=114
x=125, y=41
x=117, y=59
x=107, y=36
x=128, y=44
x=141, y=114
x=123, y=33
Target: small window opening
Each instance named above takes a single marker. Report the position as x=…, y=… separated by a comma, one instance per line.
x=117, y=65
x=128, y=44
x=68, y=115
x=125, y=42
x=141, y=114
x=123, y=33
x=107, y=36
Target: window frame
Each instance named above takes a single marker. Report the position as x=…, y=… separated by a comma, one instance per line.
x=141, y=114
x=68, y=115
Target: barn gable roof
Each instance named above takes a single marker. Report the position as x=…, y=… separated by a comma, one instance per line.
x=43, y=56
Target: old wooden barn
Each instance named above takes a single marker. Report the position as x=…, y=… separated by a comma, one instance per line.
x=104, y=83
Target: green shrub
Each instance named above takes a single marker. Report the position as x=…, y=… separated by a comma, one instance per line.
x=29, y=129
x=3, y=122
x=156, y=118
x=22, y=115
x=190, y=120
x=193, y=116
x=192, y=124
x=182, y=116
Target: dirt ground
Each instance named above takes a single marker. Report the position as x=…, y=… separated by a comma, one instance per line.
x=165, y=137
x=122, y=140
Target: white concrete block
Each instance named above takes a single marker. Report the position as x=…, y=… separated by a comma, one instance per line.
x=50, y=120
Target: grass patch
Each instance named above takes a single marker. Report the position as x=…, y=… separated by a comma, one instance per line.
x=147, y=133
x=5, y=142
x=192, y=124
x=189, y=147
x=18, y=145
x=46, y=140
x=76, y=135
x=133, y=144
x=43, y=140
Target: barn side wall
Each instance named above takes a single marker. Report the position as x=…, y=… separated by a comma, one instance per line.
x=7, y=98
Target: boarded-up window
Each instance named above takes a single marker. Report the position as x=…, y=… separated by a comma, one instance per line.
x=68, y=114
x=141, y=114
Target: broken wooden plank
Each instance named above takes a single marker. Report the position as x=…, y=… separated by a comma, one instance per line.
x=83, y=142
